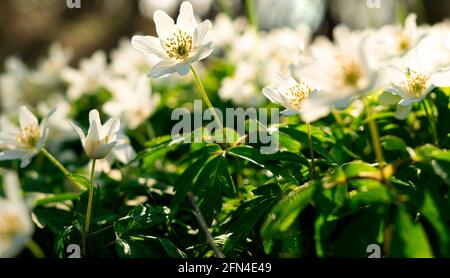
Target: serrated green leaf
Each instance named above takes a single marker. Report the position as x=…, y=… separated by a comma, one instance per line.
x=286, y=211
x=140, y=219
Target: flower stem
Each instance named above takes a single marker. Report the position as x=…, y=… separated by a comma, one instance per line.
x=150, y=130
x=432, y=123
x=61, y=168
x=312, y=165
x=89, y=206
x=375, y=137
x=35, y=249
x=251, y=13
x=56, y=162
x=207, y=101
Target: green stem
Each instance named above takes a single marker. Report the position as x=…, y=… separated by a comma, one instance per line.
x=225, y=7
x=251, y=14
x=56, y=162
x=375, y=137
x=432, y=123
x=89, y=206
x=150, y=130
x=35, y=249
x=207, y=101
x=312, y=165
x=61, y=168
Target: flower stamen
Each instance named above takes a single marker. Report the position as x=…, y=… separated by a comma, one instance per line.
x=179, y=46
x=349, y=72
x=29, y=136
x=298, y=93
x=415, y=83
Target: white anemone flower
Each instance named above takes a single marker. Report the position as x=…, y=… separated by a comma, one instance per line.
x=289, y=93
x=132, y=102
x=413, y=81
x=90, y=76
x=25, y=141
x=16, y=227
x=179, y=45
x=123, y=152
x=340, y=71
x=100, y=138
x=392, y=42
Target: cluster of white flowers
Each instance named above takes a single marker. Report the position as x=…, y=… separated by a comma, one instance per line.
x=256, y=57
x=405, y=62
x=53, y=86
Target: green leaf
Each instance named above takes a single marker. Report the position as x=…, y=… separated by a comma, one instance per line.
x=358, y=232
x=211, y=182
x=141, y=246
x=243, y=221
x=302, y=137
x=286, y=211
x=275, y=163
x=56, y=199
x=438, y=160
x=359, y=169
x=185, y=182
x=408, y=237
x=369, y=193
x=55, y=219
x=393, y=143
x=436, y=217
x=80, y=179
x=140, y=219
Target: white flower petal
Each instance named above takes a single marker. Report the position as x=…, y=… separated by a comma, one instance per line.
x=183, y=68
x=13, y=154
x=111, y=127
x=441, y=78
x=314, y=109
x=409, y=101
x=201, y=32
x=162, y=69
x=95, y=132
x=26, y=160
x=26, y=118
x=204, y=51
x=395, y=74
x=388, y=98
x=289, y=112
x=165, y=27
x=12, y=186
x=79, y=132
x=402, y=111
x=101, y=151
x=124, y=153
x=149, y=45
x=186, y=19
x=273, y=94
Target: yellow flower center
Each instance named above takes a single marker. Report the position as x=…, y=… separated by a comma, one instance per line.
x=179, y=46
x=403, y=42
x=10, y=225
x=415, y=83
x=29, y=137
x=349, y=72
x=298, y=93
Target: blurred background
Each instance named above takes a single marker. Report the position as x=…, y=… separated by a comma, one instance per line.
x=28, y=27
